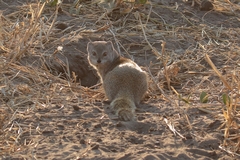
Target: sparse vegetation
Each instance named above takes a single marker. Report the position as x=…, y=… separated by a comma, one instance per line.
x=193, y=61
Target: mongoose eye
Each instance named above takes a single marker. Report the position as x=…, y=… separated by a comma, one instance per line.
x=104, y=54
x=94, y=53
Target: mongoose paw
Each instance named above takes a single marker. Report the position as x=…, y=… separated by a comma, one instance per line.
x=126, y=115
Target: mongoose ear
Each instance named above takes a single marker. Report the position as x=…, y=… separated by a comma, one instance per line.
x=110, y=45
x=89, y=46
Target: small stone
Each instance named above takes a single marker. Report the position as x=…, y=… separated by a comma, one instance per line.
x=206, y=6
x=61, y=26
x=75, y=107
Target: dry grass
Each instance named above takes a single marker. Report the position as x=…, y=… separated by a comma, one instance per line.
x=26, y=31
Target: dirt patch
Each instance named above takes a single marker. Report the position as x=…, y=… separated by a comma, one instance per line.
x=188, y=53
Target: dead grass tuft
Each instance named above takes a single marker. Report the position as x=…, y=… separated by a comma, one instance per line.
x=210, y=63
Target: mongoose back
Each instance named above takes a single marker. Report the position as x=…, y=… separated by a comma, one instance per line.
x=123, y=80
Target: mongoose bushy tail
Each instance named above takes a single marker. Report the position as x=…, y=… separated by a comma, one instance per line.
x=124, y=82
x=124, y=108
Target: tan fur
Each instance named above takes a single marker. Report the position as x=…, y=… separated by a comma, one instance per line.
x=123, y=80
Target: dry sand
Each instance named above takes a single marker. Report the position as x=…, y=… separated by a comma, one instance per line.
x=45, y=117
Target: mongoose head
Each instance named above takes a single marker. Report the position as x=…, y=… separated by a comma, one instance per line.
x=101, y=53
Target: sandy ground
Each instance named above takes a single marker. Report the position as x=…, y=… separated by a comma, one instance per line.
x=55, y=120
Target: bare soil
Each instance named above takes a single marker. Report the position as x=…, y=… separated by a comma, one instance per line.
x=50, y=108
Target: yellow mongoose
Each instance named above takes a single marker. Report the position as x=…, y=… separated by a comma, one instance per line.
x=123, y=80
